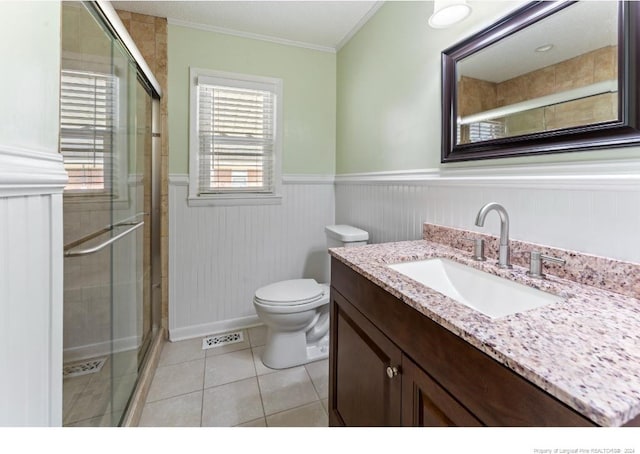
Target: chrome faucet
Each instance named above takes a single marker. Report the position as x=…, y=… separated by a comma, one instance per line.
x=504, y=260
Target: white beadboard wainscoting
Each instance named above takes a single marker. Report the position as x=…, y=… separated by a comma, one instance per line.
x=588, y=207
x=31, y=185
x=219, y=255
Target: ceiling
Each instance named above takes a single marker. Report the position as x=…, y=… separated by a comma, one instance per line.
x=323, y=25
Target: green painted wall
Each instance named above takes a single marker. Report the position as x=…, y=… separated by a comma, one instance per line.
x=309, y=93
x=388, y=109
x=30, y=75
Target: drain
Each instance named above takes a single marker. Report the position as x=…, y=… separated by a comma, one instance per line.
x=83, y=368
x=222, y=340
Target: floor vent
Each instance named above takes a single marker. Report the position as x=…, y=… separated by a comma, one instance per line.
x=83, y=368
x=222, y=339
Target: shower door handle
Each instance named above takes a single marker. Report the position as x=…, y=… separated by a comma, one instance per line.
x=69, y=252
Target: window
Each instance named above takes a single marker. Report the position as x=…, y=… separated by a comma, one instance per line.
x=87, y=112
x=235, y=138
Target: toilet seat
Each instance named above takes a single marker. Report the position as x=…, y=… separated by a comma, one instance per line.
x=289, y=293
x=294, y=295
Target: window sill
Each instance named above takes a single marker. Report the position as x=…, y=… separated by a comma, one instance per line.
x=234, y=200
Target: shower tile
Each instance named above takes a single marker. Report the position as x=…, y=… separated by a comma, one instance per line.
x=310, y=415
x=286, y=389
x=228, y=368
x=258, y=335
x=180, y=352
x=180, y=411
x=319, y=373
x=177, y=379
x=232, y=404
x=94, y=401
x=106, y=420
x=72, y=389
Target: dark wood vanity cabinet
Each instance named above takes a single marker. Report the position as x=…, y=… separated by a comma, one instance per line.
x=389, y=365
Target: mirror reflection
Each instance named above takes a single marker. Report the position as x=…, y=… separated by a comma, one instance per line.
x=560, y=72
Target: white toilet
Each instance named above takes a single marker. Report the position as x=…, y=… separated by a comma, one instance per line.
x=296, y=312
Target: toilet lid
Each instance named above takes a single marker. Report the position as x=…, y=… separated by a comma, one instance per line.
x=295, y=291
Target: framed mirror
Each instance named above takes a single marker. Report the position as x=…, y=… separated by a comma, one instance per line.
x=550, y=77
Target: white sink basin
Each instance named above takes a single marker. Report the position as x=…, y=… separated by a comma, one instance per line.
x=492, y=295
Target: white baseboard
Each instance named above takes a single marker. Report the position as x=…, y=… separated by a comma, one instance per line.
x=190, y=332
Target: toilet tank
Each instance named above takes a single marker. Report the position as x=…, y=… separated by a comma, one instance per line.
x=345, y=236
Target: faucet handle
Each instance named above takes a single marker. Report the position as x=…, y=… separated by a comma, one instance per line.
x=478, y=249
x=535, y=265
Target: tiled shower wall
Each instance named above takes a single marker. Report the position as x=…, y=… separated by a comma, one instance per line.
x=150, y=35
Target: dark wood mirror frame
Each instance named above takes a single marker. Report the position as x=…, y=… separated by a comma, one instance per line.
x=625, y=131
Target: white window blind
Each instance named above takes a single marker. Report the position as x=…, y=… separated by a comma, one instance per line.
x=237, y=137
x=483, y=130
x=87, y=112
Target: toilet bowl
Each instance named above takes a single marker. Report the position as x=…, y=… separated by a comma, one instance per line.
x=296, y=312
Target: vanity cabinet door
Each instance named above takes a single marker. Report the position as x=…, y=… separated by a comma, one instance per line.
x=363, y=388
x=426, y=404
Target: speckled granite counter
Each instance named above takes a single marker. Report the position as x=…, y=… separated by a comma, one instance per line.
x=585, y=350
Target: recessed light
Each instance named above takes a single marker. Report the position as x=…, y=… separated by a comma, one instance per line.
x=545, y=48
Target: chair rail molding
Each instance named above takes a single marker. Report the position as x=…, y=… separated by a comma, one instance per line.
x=589, y=175
x=30, y=172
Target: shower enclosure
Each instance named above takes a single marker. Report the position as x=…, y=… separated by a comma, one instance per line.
x=111, y=307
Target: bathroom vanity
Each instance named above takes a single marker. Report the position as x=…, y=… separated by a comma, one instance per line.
x=402, y=354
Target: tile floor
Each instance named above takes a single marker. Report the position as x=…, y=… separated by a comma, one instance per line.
x=100, y=399
x=229, y=386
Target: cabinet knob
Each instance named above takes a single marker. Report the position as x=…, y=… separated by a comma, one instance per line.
x=392, y=371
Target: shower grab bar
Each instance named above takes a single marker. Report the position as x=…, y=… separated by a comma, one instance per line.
x=68, y=249
x=105, y=229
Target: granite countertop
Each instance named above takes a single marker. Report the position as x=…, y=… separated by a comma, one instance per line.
x=584, y=350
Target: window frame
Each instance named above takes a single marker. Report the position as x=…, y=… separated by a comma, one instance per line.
x=119, y=192
x=230, y=197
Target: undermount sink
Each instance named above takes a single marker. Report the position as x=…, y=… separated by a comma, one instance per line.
x=491, y=295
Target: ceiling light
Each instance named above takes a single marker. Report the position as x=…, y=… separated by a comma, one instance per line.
x=448, y=12
x=545, y=48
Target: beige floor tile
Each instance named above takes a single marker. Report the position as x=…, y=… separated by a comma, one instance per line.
x=325, y=404
x=180, y=352
x=310, y=415
x=108, y=420
x=286, y=389
x=319, y=373
x=177, y=379
x=261, y=369
x=94, y=401
x=72, y=388
x=232, y=404
x=180, y=411
x=228, y=368
x=261, y=422
x=230, y=347
x=258, y=335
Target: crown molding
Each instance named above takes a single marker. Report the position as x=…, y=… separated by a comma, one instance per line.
x=374, y=9
x=249, y=35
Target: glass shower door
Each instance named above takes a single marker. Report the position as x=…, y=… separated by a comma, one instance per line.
x=131, y=254
x=105, y=141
